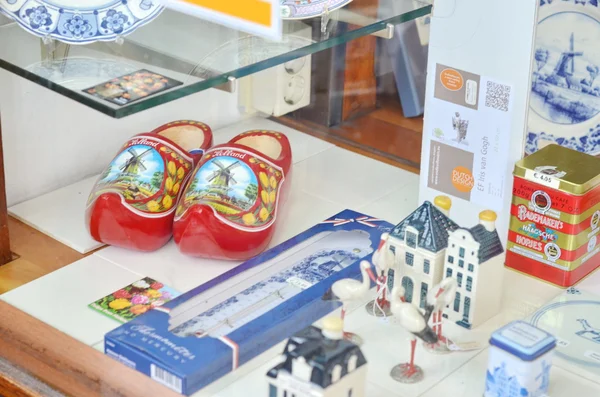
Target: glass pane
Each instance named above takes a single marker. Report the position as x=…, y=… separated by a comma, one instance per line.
x=196, y=53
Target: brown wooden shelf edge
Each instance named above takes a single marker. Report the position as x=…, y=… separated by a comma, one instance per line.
x=5, y=254
x=66, y=364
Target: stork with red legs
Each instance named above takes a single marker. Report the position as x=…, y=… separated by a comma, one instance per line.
x=380, y=306
x=440, y=296
x=415, y=322
x=348, y=289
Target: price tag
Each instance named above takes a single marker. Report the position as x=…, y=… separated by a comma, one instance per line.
x=542, y=179
x=464, y=346
x=593, y=355
x=258, y=17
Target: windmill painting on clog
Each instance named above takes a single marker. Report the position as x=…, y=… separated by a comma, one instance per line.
x=564, y=105
x=229, y=208
x=133, y=202
x=302, y=9
x=81, y=21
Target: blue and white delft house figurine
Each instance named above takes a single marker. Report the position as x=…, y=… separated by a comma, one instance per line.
x=520, y=358
x=319, y=363
x=428, y=246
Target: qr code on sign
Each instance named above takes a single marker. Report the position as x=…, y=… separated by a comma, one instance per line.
x=497, y=96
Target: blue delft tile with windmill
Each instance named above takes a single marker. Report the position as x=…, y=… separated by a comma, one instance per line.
x=520, y=359
x=564, y=105
x=81, y=22
x=209, y=331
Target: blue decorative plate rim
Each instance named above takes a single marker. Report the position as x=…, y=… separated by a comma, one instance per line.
x=81, y=26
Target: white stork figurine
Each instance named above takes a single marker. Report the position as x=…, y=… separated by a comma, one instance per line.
x=348, y=289
x=440, y=296
x=414, y=321
x=382, y=260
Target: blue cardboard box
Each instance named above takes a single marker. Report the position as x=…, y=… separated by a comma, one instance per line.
x=209, y=331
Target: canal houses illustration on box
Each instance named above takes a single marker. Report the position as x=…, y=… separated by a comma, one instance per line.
x=428, y=246
x=564, y=106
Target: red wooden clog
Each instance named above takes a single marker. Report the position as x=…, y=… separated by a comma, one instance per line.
x=229, y=208
x=133, y=203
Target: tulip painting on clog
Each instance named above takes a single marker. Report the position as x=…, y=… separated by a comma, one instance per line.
x=229, y=208
x=133, y=202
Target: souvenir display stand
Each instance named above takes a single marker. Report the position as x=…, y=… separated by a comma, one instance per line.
x=52, y=330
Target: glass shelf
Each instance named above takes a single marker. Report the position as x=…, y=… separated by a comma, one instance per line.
x=197, y=53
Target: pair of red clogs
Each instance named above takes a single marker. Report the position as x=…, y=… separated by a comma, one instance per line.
x=217, y=202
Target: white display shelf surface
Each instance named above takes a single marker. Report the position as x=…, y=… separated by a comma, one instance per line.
x=325, y=180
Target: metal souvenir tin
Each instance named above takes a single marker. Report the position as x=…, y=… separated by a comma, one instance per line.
x=555, y=215
x=519, y=363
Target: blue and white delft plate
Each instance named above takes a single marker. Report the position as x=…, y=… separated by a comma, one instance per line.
x=564, y=106
x=81, y=21
x=302, y=9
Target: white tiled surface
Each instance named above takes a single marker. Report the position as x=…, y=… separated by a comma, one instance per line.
x=342, y=176
x=325, y=180
x=469, y=381
x=60, y=298
x=59, y=214
x=167, y=265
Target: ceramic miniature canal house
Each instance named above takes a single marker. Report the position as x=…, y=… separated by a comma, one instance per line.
x=474, y=258
x=555, y=216
x=428, y=246
x=520, y=358
x=319, y=363
x=418, y=245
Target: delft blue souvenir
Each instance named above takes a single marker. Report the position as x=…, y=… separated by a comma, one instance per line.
x=574, y=318
x=202, y=335
x=564, y=105
x=520, y=358
x=79, y=21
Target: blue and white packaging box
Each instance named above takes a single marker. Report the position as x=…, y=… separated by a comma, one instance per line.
x=200, y=336
x=520, y=358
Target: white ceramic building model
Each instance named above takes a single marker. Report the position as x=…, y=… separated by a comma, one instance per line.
x=319, y=363
x=474, y=258
x=428, y=246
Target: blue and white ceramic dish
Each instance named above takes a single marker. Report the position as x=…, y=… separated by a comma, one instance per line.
x=81, y=21
x=302, y=9
x=564, y=106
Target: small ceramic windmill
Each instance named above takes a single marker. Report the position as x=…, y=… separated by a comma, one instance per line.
x=439, y=297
